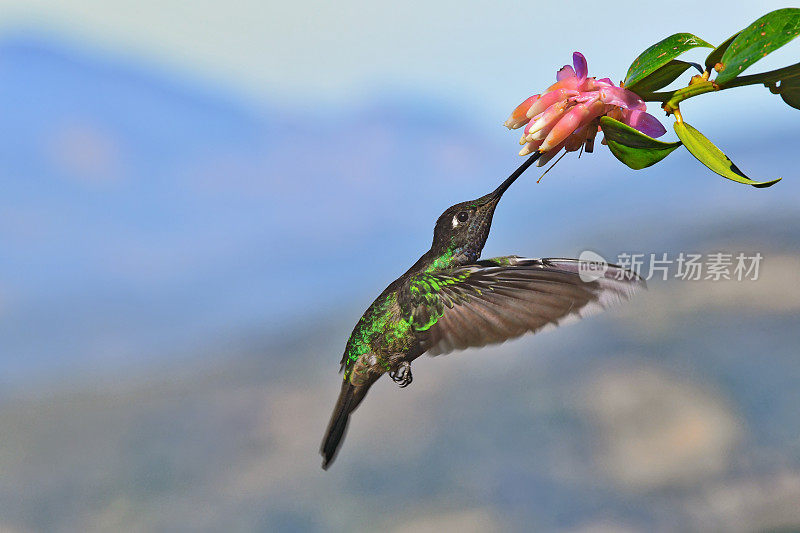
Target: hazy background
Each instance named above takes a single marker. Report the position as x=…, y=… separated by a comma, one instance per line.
x=200, y=198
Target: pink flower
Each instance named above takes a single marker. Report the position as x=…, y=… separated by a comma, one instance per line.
x=567, y=115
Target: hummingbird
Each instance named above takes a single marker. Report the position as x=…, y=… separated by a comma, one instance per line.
x=450, y=300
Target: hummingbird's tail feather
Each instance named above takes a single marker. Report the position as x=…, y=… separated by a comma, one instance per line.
x=349, y=398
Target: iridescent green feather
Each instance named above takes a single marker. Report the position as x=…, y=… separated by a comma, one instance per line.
x=389, y=326
x=381, y=331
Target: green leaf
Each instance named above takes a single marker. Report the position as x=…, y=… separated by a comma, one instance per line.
x=660, y=54
x=712, y=157
x=760, y=38
x=787, y=77
x=661, y=77
x=633, y=147
x=716, y=54
x=789, y=88
x=790, y=92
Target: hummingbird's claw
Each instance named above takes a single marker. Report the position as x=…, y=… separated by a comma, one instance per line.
x=402, y=376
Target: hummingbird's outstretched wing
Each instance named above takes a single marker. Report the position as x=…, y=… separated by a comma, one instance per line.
x=498, y=299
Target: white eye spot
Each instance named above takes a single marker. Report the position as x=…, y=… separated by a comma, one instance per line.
x=455, y=221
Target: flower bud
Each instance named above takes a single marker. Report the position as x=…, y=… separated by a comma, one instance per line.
x=578, y=116
x=567, y=114
x=519, y=115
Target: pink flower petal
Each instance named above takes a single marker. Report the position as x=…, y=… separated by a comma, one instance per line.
x=578, y=116
x=548, y=156
x=548, y=99
x=645, y=122
x=567, y=114
x=566, y=83
x=622, y=98
x=541, y=133
x=584, y=96
x=548, y=118
x=530, y=147
x=599, y=84
x=519, y=115
x=576, y=139
x=565, y=72
x=581, y=69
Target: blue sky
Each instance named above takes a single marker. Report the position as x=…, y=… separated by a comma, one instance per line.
x=174, y=176
x=200, y=199
x=479, y=55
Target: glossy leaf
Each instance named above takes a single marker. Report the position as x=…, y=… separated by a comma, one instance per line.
x=716, y=54
x=784, y=81
x=790, y=92
x=707, y=153
x=662, y=77
x=760, y=38
x=633, y=147
x=660, y=54
x=789, y=87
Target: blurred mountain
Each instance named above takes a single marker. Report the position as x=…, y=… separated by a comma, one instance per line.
x=674, y=412
x=146, y=214
x=180, y=269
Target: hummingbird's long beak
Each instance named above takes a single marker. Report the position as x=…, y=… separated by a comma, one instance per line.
x=514, y=175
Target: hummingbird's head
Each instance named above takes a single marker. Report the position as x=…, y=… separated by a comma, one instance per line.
x=463, y=228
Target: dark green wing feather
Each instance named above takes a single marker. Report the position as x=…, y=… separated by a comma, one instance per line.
x=498, y=299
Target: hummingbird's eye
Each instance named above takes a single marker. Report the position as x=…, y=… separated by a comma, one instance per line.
x=462, y=216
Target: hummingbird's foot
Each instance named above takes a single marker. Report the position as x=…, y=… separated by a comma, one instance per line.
x=402, y=376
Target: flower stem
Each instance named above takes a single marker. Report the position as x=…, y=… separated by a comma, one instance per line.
x=671, y=99
x=671, y=105
x=767, y=78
